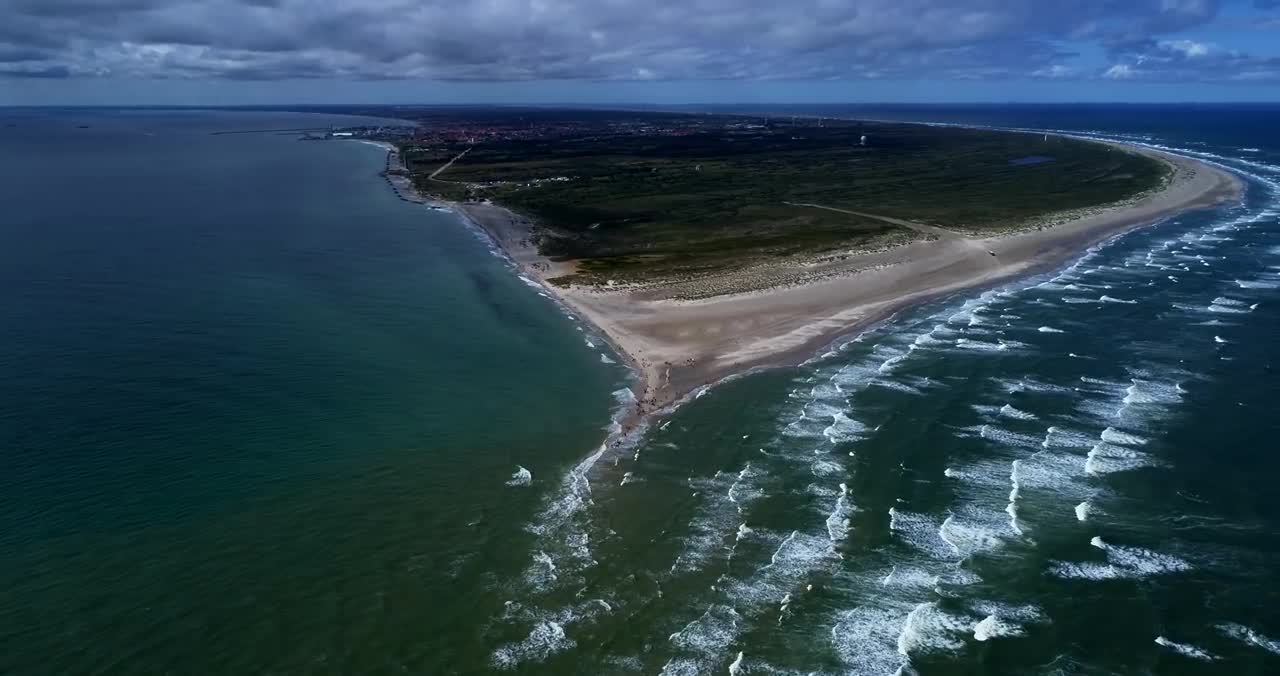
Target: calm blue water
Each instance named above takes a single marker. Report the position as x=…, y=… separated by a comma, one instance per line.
x=256, y=416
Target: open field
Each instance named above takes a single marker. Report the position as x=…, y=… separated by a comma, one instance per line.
x=640, y=198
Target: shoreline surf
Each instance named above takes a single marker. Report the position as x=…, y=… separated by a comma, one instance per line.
x=678, y=349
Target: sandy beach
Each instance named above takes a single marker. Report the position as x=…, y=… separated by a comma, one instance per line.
x=678, y=346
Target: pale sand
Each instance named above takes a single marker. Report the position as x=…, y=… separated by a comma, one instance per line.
x=678, y=346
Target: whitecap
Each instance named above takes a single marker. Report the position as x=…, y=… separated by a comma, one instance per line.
x=1186, y=649
x=1007, y=437
x=843, y=429
x=1057, y=437
x=710, y=633
x=992, y=626
x=546, y=639
x=838, y=521
x=1247, y=635
x=921, y=531
x=1114, y=436
x=1011, y=412
x=1122, y=563
x=865, y=640
x=1049, y=329
x=910, y=577
x=521, y=477
x=826, y=468
x=928, y=629
x=736, y=665
x=1105, y=458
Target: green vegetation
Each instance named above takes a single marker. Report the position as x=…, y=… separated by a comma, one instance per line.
x=682, y=194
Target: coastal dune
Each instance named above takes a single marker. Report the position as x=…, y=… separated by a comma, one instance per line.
x=677, y=346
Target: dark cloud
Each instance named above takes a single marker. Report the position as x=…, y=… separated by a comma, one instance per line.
x=503, y=40
x=25, y=71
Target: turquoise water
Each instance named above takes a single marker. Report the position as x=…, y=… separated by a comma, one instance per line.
x=255, y=413
x=258, y=416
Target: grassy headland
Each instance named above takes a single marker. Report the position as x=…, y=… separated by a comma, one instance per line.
x=644, y=197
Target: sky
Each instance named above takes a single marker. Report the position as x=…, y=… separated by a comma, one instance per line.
x=254, y=52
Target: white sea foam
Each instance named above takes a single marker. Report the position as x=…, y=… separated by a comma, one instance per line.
x=1186, y=649
x=604, y=358
x=838, y=521
x=928, y=339
x=542, y=573
x=922, y=532
x=1122, y=563
x=1057, y=437
x=1225, y=305
x=711, y=633
x=1082, y=511
x=896, y=386
x=1015, y=491
x=910, y=577
x=1005, y=437
x=1003, y=620
x=889, y=364
x=1086, y=570
x=1105, y=458
x=928, y=629
x=993, y=626
x=1011, y=412
x=984, y=346
x=1112, y=435
x=1150, y=392
x=1247, y=635
x=546, y=639
x=736, y=666
x=521, y=477
x=1030, y=385
x=1109, y=299
x=1144, y=562
x=866, y=640
x=973, y=529
x=843, y=429
x=797, y=556
x=1049, y=329
x=726, y=498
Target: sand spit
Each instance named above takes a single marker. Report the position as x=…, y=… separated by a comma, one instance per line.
x=678, y=346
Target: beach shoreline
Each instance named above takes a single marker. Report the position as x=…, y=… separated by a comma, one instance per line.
x=679, y=348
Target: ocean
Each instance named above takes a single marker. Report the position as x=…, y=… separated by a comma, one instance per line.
x=259, y=416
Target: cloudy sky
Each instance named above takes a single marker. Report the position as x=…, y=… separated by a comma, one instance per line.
x=284, y=51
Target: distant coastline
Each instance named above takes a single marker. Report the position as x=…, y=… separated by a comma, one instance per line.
x=677, y=348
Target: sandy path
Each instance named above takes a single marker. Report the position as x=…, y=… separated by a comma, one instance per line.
x=918, y=227
x=442, y=168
